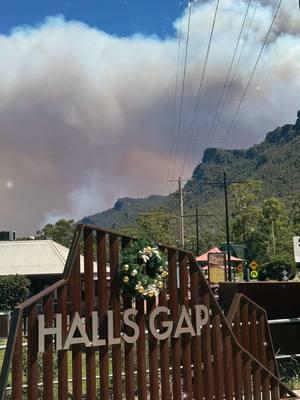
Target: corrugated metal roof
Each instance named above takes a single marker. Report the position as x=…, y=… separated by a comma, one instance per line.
x=33, y=257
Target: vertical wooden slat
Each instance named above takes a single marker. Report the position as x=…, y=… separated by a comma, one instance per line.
x=237, y=358
x=246, y=365
x=254, y=351
x=153, y=354
x=129, y=356
x=186, y=338
x=173, y=306
x=256, y=383
x=265, y=385
x=89, y=308
x=274, y=390
x=32, y=354
x=245, y=327
x=195, y=283
x=218, y=355
x=141, y=351
x=48, y=354
x=253, y=333
x=102, y=306
x=75, y=293
x=207, y=351
x=164, y=353
x=63, y=354
x=228, y=367
x=17, y=368
x=262, y=351
x=115, y=305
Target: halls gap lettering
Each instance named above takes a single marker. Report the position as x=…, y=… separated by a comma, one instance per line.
x=184, y=325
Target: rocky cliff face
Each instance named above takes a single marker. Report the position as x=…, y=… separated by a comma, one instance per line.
x=275, y=162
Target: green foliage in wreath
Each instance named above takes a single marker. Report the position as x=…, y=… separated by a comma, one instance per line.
x=143, y=269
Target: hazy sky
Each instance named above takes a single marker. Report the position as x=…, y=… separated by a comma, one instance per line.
x=87, y=97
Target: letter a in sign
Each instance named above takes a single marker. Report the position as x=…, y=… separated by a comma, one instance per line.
x=184, y=319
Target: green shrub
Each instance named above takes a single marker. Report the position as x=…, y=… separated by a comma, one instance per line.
x=274, y=269
x=13, y=290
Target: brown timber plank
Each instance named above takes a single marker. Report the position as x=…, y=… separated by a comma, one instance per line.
x=32, y=354
x=228, y=367
x=48, y=354
x=75, y=293
x=63, y=354
x=173, y=306
x=186, y=337
x=141, y=351
x=245, y=327
x=218, y=355
x=153, y=361
x=129, y=356
x=164, y=353
x=207, y=351
x=256, y=383
x=102, y=306
x=17, y=369
x=89, y=308
x=237, y=370
x=196, y=340
x=246, y=365
x=115, y=305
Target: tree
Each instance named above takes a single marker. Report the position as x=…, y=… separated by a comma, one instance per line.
x=14, y=289
x=273, y=223
x=246, y=211
x=278, y=268
x=156, y=225
x=61, y=232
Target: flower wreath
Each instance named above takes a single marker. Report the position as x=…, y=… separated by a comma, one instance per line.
x=143, y=269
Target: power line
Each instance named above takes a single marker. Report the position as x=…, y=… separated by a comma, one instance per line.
x=252, y=73
x=233, y=75
x=213, y=126
x=182, y=88
x=200, y=88
x=236, y=68
x=176, y=89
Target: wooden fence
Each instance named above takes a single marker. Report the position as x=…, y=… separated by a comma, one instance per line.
x=211, y=365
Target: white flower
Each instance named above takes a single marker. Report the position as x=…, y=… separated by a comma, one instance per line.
x=133, y=272
x=145, y=258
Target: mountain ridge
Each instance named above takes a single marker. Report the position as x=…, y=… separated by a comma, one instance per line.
x=275, y=161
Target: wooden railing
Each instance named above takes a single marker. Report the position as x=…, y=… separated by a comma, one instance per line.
x=250, y=325
x=213, y=365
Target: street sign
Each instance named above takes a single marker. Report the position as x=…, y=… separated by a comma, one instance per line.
x=253, y=265
x=253, y=274
x=296, y=241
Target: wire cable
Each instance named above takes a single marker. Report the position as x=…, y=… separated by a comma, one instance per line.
x=218, y=109
x=201, y=84
x=235, y=69
x=182, y=88
x=252, y=74
x=176, y=89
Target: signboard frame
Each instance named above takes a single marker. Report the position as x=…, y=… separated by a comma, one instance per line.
x=217, y=259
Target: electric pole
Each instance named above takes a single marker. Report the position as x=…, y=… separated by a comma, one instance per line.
x=181, y=216
x=181, y=213
x=227, y=227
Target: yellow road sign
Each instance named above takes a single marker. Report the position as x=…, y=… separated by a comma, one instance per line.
x=254, y=274
x=253, y=265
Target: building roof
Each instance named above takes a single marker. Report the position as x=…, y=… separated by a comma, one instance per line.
x=204, y=257
x=33, y=257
